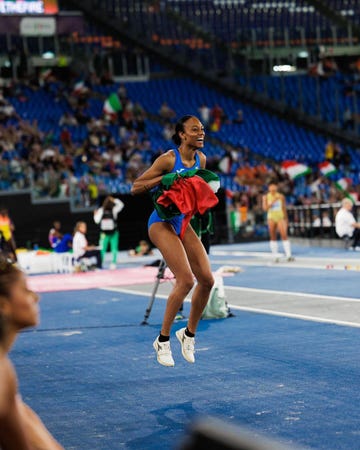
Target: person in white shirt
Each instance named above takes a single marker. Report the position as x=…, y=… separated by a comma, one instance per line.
x=81, y=248
x=106, y=218
x=346, y=225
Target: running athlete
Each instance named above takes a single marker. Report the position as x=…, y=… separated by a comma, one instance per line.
x=185, y=257
x=275, y=205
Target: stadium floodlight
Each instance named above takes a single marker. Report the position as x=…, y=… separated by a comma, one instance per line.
x=284, y=68
x=48, y=55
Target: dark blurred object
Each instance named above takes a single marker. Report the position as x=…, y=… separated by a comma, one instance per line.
x=214, y=434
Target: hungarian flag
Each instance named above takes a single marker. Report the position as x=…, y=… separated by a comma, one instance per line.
x=343, y=184
x=112, y=106
x=327, y=168
x=295, y=169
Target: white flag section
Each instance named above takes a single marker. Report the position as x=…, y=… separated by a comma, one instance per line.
x=295, y=169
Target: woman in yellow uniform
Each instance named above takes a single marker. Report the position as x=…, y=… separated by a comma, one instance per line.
x=275, y=205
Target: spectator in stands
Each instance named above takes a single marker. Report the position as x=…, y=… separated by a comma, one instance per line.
x=20, y=426
x=8, y=246
x=275, y=205
x=239, y=119
x=106, y=217
x=142, y=249
x=180, y=246
x=348, y=119
x=58, y=241
x=67, y=119
x=81, y=247
x=346, y=226
x=166, y=113
x=205, y=115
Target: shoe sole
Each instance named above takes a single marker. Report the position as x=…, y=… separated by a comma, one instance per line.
x=179, y=336
x=158, y=359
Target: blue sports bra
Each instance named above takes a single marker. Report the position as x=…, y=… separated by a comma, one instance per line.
x=179, y=166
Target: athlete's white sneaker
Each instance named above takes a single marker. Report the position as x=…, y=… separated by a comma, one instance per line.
x=163, y=353
x=187, y=345
x=112, y=266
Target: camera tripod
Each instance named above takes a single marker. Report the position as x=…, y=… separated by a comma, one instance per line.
x=160, y=276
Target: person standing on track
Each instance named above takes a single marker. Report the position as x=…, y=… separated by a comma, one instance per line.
x=106, y=217
x=180, y=247
x=274, y=204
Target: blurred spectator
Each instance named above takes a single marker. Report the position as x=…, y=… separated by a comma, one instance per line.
x=8, y=245
x=143, y=249
x=58, y=241
x=81, y=247
x=205, y=115
x=166, y=113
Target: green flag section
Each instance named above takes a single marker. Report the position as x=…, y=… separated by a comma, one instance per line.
x=343, y=184
x=112, y=105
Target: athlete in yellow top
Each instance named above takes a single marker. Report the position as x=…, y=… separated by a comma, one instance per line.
x=274, y=204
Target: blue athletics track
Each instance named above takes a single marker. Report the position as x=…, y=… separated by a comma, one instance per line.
x=286, y=366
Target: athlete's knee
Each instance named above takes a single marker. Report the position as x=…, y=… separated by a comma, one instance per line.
x=207, y=282
x=186, y=283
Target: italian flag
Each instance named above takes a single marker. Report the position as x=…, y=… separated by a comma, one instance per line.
x=225, y=164
x=353, y=196
x=327, y=169
x=343, y=184
x=79, y=88
x=112, y=106
x=295, y=169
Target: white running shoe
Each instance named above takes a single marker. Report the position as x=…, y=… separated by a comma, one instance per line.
x=163, y=353
x=187, y=345
x=112, y=266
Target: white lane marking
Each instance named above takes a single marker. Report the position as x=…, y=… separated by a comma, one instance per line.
x=293, y=293
x=261, y=310
x=292, y=265
x=295, y=316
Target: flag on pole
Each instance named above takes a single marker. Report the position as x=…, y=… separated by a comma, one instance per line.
x=343, y=184
x=353, y=196
x=112, y=106
x=327, y=168
x=295, y=169
x=225, y=164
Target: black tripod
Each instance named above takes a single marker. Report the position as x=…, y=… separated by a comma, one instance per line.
x=160, y=276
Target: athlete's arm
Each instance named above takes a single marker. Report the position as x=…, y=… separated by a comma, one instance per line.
x=265, y=203
x=12, y=430
x=36, y=432
x=283, y=204
x=152, y=176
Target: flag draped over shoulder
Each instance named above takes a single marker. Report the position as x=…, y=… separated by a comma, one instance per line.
x=327, y=168
x=295, y=169
x=112, y=105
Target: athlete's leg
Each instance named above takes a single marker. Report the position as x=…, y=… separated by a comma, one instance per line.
x=272, y=225
x=169, y=244
x=282, y=226
x=200, y=266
